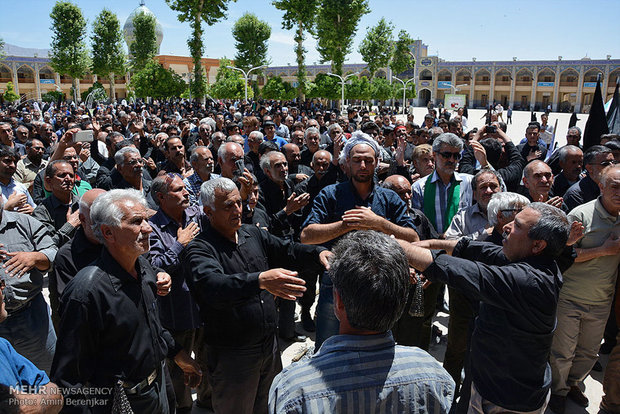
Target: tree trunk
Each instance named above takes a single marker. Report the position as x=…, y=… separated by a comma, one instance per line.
x=301, y=67
x=112, y=88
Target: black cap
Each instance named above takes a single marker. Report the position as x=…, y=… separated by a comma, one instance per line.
x=269, y=123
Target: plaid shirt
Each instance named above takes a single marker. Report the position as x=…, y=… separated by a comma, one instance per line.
x=193, y=183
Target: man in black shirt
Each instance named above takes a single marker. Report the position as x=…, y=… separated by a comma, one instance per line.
x=58, y=211
x=76, y=254
x=234, y=272
x=110, y=334
x=518, y=286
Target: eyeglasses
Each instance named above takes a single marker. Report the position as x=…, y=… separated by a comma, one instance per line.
x=135, y=161
x=70, y=157
x=607, y=163
x=447, y=155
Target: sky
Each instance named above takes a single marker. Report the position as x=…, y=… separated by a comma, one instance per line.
x=455, y=30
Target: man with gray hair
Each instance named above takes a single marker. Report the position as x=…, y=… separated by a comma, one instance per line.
x=110, y=333
x=502, y=209
x=129, y=164
x=443, y=192
x=234, y=271
x=312, y=139
x=357, y=204
x=203, y=163
x=362, y=369
x=518, y=285
x=595, y=159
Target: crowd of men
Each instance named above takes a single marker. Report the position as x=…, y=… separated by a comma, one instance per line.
x=176, y=239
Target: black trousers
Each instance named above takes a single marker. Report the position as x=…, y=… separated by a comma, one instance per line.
x=416, y=331
x=241, y=378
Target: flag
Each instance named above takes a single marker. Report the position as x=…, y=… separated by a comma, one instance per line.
x=573, y=120
x=597, y=123
x=613, y=115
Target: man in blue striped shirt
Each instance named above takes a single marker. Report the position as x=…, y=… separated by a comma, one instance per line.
x=362, y=370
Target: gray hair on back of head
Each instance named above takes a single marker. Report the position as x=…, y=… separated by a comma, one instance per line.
x=504, y=201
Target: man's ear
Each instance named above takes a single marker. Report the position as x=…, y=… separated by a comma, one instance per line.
x=538, y=247
x=338, y=305
x=107, y=233
x=208, y=211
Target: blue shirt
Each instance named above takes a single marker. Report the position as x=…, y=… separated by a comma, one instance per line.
x=332, y=202
x=278, y=140
x=363, y=374
x=16, y=370
x=178, y=310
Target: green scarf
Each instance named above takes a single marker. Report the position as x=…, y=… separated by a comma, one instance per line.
x=454, y=196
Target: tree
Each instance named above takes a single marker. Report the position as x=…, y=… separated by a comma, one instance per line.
x=381, y=89
x=156, y=82
x=358, y=88
x=277, y=89
x=335, y=28
x=9, y=94
x=402, y=58
x=2, y=52
x=144, y=46
x=195, y=12
x=251, y=36
x=327, y=87
x=301, y=15
x=228, y=83
x=68, y=54
x=376, y=48
x=107, y=40
x=53, y=96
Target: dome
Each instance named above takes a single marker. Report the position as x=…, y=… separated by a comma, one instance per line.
x=128, y=28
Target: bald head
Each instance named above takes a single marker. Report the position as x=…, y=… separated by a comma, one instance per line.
x=87, y=200
x=401, y=186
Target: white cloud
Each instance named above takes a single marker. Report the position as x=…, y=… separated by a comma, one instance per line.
x=282, y=38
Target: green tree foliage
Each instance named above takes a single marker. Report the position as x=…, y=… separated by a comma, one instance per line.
x=276, y=88
x=299, y=15
x=402, y=58
x=381, y=89
x=358, y=88
x=144, y=47
x=156, y=82
x=336, y=25
x=376, y=48
x=53, y=96
x=2, y=52
x=327, y=87
x=68, y=54
x=107, y=47
x=228, y=83
x=251, y=40
x=9, y=94
x=195, y=12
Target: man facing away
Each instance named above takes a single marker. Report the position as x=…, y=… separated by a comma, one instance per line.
x=362, y=369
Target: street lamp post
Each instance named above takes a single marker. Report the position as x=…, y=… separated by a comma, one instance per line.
x=404, y=88
x=246, y=76
x=342, y=81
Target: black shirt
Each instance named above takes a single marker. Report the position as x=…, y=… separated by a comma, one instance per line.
x=580, y=193
x=110, y=327
x=223, y=278
x=273, y=199
x=513, y=333
x=53, y=214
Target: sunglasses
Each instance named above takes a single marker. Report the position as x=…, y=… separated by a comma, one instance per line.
x=447, y=155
